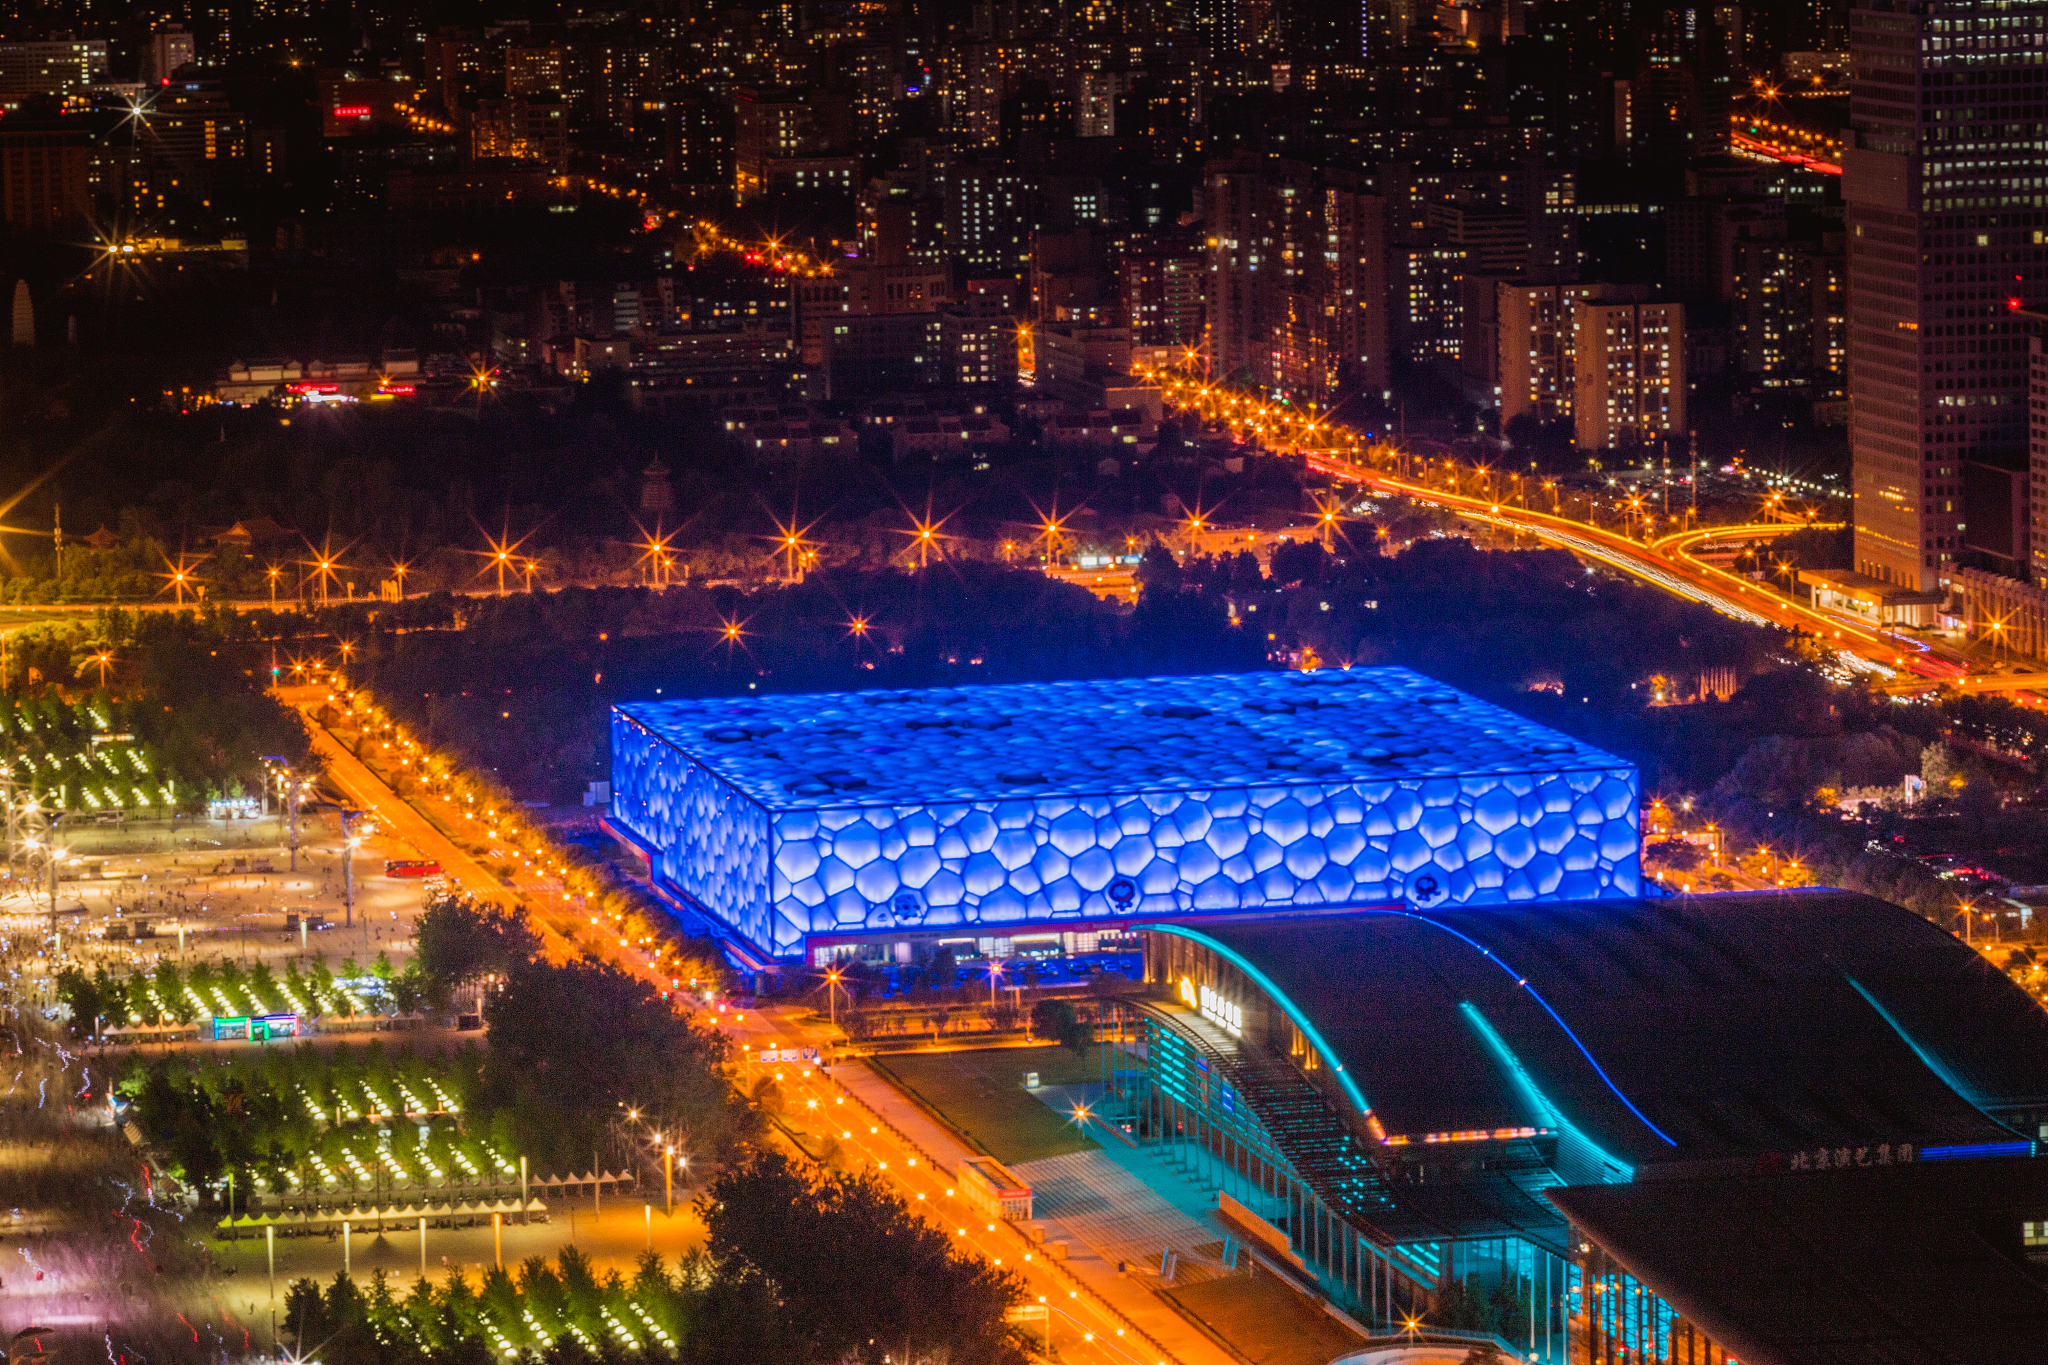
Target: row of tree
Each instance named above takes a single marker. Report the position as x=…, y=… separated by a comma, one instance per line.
x=575, y=1048
x=801, y=1268
x=101, y=1000
x=188, y=688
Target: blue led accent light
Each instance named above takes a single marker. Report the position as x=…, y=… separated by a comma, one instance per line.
x=1548, y=1114
x=1027, y=804
x=1555, y=1017
x=1976, y=1150
x=1278, y=997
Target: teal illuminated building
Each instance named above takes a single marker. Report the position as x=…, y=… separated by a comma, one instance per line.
x=1397, y=1093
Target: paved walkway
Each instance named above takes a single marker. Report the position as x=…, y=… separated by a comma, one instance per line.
x=1130, y=1296
x=398, y=819
x=1090, y=1198
x=866, y=1084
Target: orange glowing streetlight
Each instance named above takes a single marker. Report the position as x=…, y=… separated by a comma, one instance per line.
x=654, y=552
x=325, y=564
x=924, y=534
x=1051, y=531
x=791, y=544
x=178, y=576
x=501, y=552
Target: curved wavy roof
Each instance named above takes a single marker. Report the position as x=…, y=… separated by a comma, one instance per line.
x=1695, y=1029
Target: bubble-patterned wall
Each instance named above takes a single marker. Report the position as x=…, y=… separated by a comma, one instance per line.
x=786, y=816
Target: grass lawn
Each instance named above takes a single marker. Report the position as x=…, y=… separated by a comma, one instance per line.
x=1267, y=1321
x=982, y=1094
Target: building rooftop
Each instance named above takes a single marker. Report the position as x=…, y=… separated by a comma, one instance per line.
x=1688, y=1029
x=1091, y=738
x=1928, y=1263
x=1648, y=1040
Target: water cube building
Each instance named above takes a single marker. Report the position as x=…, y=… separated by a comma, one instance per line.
x=801, y=823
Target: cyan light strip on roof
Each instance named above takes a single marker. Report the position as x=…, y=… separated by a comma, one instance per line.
x=1555, y=1017
x=1928, y=1059
x=1550, y=1115
x=1279, y=997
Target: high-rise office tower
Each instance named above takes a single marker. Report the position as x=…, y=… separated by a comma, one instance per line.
x=1946, y=191
x=1297, y=299
x=1628, y=373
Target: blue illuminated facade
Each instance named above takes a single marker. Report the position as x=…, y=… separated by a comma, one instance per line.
x=787, y=817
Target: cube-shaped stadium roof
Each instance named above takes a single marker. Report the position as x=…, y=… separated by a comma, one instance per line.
x=1003, y=741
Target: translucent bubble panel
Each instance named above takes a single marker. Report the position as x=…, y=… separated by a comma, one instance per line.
x=702, y=836
x=849, y=812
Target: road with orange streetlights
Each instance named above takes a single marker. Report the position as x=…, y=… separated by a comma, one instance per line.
x=552, y=913
x=1899, y=662
x=1085, y=1323
x=394, y=817
x=1896, y=661
x=1085, y=1327
x=1342, y=453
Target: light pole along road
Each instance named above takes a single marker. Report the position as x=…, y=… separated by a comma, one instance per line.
x=1082, y=1326
x=1667, y=563
x=403, y=821
x=1901, y=663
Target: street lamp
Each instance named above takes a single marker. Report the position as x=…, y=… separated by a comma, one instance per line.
x=351, y=840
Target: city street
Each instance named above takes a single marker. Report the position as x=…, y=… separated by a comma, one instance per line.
x=1096, y=1313
x=1109, y=1319
x=407, y=827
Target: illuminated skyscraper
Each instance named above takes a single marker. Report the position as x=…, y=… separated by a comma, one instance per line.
x=1946, y=189
x=1297, y=279
x=1628, y=372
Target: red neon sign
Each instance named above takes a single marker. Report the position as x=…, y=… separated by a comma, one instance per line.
x=353, y=111
x=312, y=388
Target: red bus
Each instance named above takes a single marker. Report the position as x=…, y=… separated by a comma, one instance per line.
x=410, y=867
